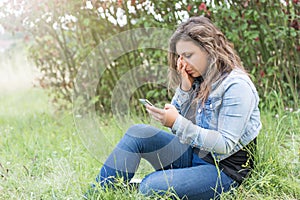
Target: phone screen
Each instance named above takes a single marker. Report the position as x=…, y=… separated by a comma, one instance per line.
x=145, y=102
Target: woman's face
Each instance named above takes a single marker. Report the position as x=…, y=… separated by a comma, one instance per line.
x=195, y=57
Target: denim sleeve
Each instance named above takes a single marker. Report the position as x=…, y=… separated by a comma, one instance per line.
x=237, y=105
x=181, y=98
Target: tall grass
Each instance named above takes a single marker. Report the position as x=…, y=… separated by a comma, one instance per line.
x=43, y=157
x=276, y=174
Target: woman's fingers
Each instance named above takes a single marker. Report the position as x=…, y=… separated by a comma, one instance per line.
x=181, y=66
x=168, y=106
x=166, y=116
x=155, y=109
x=156, y=113
x=156, y=116
x=179, y=63
x=183, y=70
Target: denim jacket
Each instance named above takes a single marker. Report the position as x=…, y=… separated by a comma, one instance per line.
x=228, y=121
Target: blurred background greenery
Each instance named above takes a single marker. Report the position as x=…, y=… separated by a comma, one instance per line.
x=60, y=35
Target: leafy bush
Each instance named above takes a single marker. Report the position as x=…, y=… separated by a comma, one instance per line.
x=265, y=34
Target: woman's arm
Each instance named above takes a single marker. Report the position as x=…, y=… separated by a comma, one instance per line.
x=184, y=91
x=181, y=99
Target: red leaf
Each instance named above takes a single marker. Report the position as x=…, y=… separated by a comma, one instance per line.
x=202, y=6
x=120, y=2
x=295, y=24
x=262, y=73
x=189, y=7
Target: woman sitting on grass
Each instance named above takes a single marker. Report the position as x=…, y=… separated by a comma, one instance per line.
x=213, y=116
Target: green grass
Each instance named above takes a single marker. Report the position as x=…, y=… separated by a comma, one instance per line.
x=43, y=157
x=41, y=154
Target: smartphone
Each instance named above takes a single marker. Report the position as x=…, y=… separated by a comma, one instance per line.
x=145, y=102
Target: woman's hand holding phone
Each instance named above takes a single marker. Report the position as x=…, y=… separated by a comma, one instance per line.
x=166, y=116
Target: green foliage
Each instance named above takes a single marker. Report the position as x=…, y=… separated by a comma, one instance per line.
x=60, y=46
x=265, y=34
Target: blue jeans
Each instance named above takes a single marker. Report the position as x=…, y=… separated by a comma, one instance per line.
x=177, y=167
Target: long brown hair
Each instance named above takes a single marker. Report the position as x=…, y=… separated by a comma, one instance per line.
x=222, y=57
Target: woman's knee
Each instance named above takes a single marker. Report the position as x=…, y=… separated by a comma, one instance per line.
x=142, y=131
x=147, y=187
x=153, y=184
x=144, y=188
